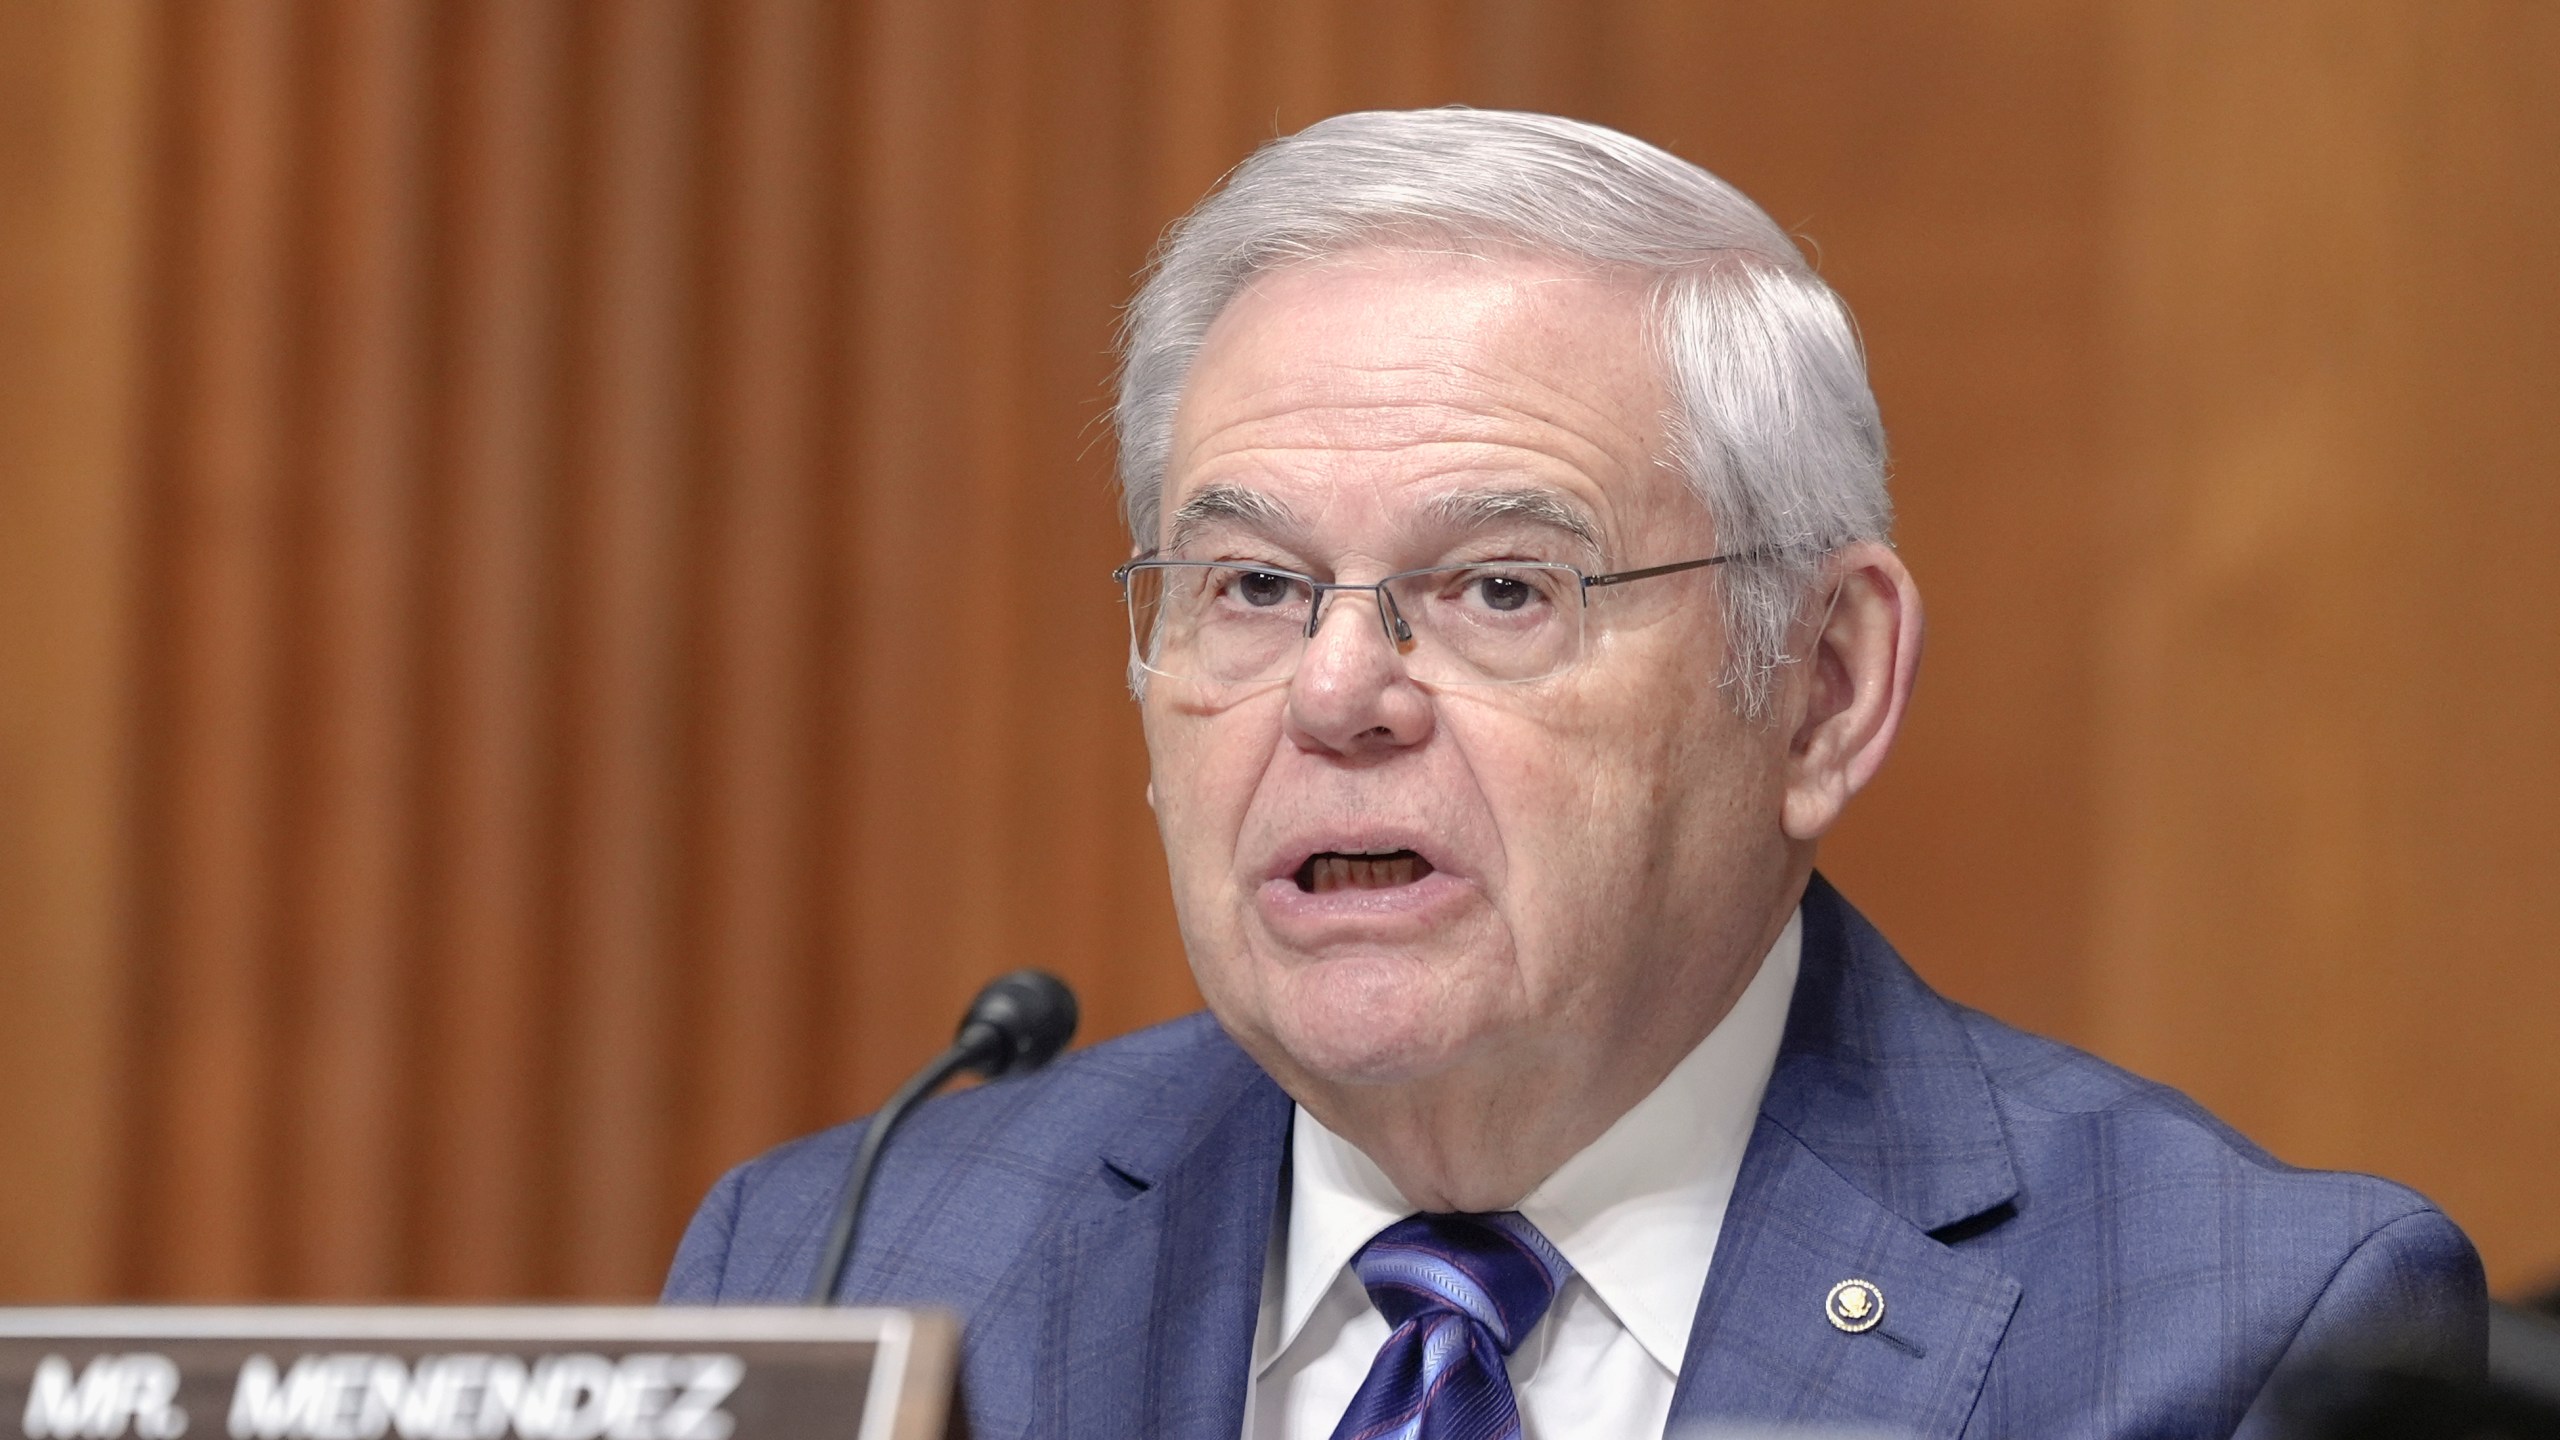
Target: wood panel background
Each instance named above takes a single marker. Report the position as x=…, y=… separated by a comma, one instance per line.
x=553, y=619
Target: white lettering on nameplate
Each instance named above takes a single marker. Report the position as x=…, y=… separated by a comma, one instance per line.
x=115, y=1395
x=484, y=1397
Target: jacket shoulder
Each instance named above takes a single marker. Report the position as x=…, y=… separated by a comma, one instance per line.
x=2143, y=1225
x=2164, y=1264
x=2071, y=1114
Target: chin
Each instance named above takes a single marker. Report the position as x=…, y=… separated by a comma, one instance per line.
x=1369, y=1021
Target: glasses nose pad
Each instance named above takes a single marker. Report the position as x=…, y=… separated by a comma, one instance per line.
x=1399, y=634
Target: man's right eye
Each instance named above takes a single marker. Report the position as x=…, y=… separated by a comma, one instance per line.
x=1263, y=589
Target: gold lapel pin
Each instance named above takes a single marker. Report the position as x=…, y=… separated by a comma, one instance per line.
x=1854, y=1306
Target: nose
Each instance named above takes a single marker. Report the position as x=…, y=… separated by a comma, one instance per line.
x=1351, y=695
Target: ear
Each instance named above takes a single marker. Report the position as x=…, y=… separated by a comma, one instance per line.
x=1857, y=679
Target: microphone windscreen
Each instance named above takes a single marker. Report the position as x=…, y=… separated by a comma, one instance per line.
x=1034, y=1011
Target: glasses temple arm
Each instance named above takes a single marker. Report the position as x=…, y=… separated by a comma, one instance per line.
x=1594, y=582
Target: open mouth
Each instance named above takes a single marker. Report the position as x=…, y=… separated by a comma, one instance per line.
x=1329, y=870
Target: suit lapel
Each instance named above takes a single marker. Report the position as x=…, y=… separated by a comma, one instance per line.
x=1152, y=1313
x=1878, y=1129
x=1763, y=1348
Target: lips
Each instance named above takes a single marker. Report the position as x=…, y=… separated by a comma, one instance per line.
x=1328, y=871
x=1361, y=886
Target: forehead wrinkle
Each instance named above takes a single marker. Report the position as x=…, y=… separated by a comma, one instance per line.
x=1406, y=424
x=1364, y=402
x=1495, y=406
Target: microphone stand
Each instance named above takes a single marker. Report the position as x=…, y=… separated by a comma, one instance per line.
x=975, y=1045
x=1017, y=1024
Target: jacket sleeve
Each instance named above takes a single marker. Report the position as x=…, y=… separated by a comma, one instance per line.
x=2412, y=1296
x=702, y=1259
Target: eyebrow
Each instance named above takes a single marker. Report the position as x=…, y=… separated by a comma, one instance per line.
x=1472, y=509
x=1462, y=511
x=1214, y=503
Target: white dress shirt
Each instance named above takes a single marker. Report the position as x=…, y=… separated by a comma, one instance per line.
x=1637, y=1212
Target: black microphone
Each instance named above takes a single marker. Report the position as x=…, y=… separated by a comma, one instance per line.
x=1016, y=1025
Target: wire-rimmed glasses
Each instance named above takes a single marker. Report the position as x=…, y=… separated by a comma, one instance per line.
x=1483, y=623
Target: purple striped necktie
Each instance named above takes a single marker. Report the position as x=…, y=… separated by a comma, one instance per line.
x=1462, y=1292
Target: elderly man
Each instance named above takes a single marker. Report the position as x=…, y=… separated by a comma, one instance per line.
x=1512, y=615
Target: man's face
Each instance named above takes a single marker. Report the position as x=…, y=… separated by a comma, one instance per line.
x=1553, y=867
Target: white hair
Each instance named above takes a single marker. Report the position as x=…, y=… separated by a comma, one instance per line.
x=1773, y=423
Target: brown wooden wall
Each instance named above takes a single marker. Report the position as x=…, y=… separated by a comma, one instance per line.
x=553, y=618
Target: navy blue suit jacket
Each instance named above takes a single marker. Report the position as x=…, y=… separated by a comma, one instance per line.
x=2064, y=1249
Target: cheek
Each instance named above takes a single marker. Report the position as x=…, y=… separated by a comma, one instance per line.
x=1714, y=807
x=1605, y=810
x=1564, y=793
x=1590, y=832
x=1203, y=770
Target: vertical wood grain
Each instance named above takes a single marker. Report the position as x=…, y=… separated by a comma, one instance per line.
x=915, y=579
x=1093, y=899
x=631, y=461
x=751, y=948
x=490, y=540
x=1189, y=60
x=209, y=1005
x=75, y=101
x=350, y=854
x=965, y=588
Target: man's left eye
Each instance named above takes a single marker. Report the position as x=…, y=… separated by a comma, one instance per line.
x=1503, y=592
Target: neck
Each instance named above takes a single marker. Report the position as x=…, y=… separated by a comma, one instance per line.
x=1481, y=1135
x=1460, y=1142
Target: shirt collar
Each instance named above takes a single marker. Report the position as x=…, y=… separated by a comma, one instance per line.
x=1637, y=1211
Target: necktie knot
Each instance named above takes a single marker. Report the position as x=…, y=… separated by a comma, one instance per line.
x=1494, y=1270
